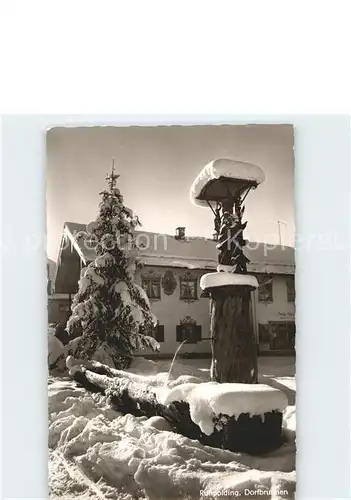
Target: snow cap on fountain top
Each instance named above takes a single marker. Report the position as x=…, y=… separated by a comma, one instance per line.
x=240, y=175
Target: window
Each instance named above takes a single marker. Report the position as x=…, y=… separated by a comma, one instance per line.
x=159, y=333
x=180, y=233
x=189, y=332
x=63, y=308
x=264, y=333
x=276, y=336
x=265, y=288
x=152, y=287
x=264, y=337
x=283, y=336
x=205, y=293
x=188, y=288
x=290, y=288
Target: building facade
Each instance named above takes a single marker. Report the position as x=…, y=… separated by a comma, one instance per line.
x=170, y=269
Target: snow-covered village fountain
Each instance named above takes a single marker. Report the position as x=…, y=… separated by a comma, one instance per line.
x=223, y=186
x=128, y=425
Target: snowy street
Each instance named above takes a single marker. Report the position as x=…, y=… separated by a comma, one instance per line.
x=96, y=452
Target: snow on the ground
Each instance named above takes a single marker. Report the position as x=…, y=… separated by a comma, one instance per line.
x=289, y=422
x=288, y=382
x=96, y=452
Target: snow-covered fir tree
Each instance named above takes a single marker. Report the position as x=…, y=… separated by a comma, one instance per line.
x=112, y=312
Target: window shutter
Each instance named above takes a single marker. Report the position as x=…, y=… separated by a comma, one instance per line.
x=179, y=331
x=197, y=333
x=290, y=284
x=160, y=333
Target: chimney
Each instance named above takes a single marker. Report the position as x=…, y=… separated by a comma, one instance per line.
x=180, y=233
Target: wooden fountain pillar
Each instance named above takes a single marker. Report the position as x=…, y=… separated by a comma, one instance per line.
x=226, y=183
x=234, y=348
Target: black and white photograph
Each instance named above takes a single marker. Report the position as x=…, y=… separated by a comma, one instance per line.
x=171, y=312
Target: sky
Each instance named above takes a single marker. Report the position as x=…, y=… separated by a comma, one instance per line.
x=157, y=166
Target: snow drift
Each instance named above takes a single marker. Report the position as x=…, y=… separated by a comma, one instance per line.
x=96, y=452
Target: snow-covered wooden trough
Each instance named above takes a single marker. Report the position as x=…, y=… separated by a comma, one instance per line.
x=237, y=417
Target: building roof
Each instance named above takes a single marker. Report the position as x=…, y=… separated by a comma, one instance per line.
x=165, y=250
